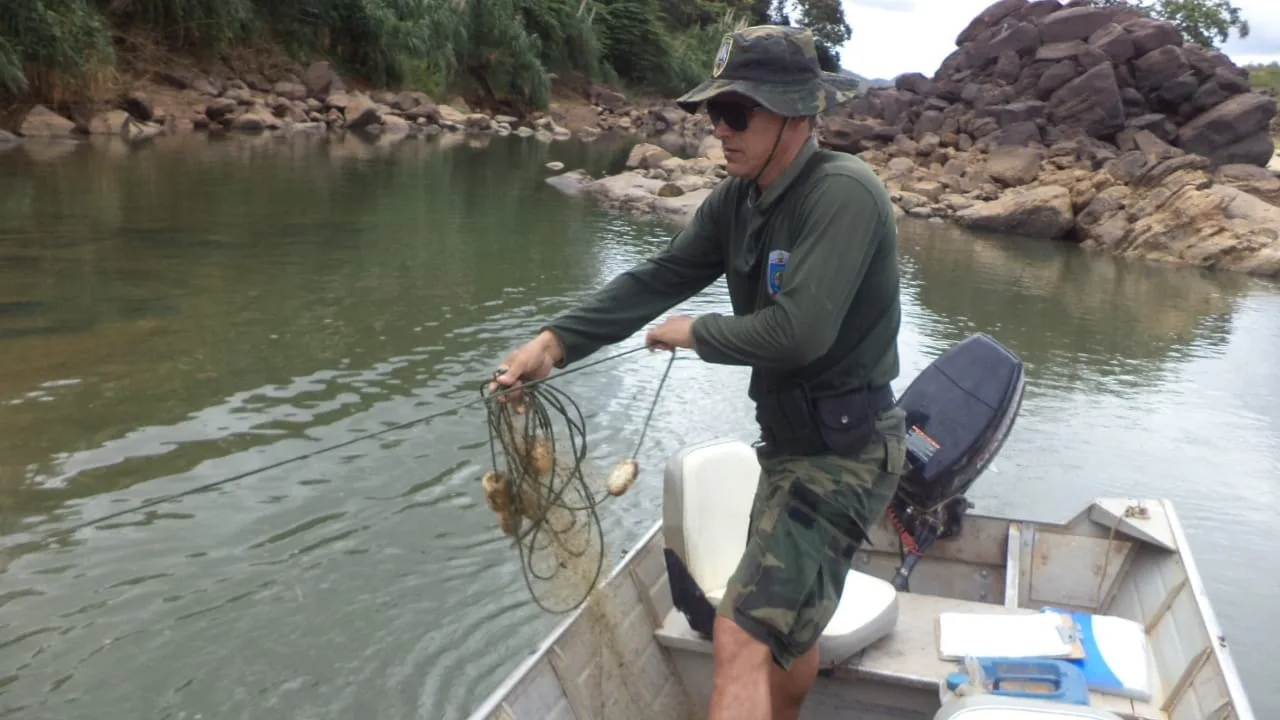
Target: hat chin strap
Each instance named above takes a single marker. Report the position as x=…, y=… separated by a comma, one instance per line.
x=776, y=141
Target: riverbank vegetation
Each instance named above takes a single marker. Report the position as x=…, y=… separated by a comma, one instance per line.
x=1265, y=77
x=1204, y=22
x=505, y=51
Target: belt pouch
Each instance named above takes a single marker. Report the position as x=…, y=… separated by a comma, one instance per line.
x=846, y=422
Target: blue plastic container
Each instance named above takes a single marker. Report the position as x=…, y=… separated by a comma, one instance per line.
x=1052, y=680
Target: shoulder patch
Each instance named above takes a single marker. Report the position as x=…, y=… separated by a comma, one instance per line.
x=777, y=265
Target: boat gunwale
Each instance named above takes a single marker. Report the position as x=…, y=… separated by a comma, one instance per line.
x=494, y=699
x=1218, y=644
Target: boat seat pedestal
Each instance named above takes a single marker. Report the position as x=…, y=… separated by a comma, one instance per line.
x=707, y=496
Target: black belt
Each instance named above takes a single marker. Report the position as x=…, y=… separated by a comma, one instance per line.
x=792, y=422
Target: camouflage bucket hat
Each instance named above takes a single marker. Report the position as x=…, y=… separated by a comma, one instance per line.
x=777, y=66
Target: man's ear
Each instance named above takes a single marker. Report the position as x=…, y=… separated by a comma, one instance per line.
x=808, y=123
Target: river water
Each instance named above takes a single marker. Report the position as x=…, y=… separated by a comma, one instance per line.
x=197, y=309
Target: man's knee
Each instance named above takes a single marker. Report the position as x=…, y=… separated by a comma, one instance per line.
x=741, y=688
x=733, y=644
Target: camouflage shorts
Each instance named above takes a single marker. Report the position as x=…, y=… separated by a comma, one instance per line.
x=807, y=521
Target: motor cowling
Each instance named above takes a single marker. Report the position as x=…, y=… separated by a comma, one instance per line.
x=960, y=410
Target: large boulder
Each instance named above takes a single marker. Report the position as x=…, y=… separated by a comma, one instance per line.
x=320, y=81
x=1041, y=212
x=43, y=122
x=1090, y=103
x=1060, y=70
x=1243, y=119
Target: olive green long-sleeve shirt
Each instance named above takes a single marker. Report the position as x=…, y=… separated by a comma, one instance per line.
x=812, y=271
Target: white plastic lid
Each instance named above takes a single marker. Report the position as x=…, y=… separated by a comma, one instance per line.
x=1004, y=707
x=1010, y=713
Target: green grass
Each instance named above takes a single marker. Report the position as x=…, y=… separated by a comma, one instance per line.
x=1265, y=77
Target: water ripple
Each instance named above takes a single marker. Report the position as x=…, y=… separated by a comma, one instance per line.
x=373, y=580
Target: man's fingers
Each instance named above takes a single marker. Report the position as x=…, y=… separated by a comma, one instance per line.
x=507, y=375
x=510, y=375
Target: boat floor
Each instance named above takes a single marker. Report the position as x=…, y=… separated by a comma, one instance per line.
x=908, y=657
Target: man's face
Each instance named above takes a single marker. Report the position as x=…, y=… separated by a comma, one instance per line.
x=746, y=130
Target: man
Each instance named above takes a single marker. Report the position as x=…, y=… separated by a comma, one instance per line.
x=808, y=241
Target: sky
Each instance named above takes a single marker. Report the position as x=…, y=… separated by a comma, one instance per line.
x=891, y=37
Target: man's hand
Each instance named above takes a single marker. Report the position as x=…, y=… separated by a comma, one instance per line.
x=674, y=332
x=532, y=361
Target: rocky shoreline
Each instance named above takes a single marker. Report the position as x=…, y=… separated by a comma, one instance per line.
x=318, y=101
x=656, y=182
x=1049, y=121
x=1151, y=202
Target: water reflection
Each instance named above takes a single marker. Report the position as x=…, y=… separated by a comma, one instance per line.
x=240, y=263
x=1083, y=322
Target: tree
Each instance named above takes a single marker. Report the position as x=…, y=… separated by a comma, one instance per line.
x=825, y=18
x=1204, y=22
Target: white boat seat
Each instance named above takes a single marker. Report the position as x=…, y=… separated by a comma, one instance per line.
x=1003, y=707
x=707, y=494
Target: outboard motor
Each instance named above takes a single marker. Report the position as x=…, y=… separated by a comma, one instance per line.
x=959, y=410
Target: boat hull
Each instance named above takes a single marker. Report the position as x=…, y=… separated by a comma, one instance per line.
x=629, y=653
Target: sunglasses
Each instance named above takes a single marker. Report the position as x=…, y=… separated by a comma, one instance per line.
x=735, y=115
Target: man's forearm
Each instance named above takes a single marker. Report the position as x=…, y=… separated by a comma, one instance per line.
x=626, y=304
x=690, y=262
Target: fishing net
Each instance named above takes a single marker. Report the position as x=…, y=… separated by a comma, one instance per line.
x=538, y=488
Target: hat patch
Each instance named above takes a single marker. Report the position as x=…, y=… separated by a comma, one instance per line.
x=722, y=56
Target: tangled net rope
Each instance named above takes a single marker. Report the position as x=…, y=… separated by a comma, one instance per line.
x=539, y=492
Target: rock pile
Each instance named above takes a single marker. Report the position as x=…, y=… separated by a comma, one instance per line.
x=1077, y=122
x=319, y=101
x=1040, y=72
x=1151, y=202
x=655, y=183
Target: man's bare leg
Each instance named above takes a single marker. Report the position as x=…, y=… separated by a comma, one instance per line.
x=741, y=687
x=788, y=689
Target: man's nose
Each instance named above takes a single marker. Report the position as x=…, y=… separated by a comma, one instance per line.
x=720, y=130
